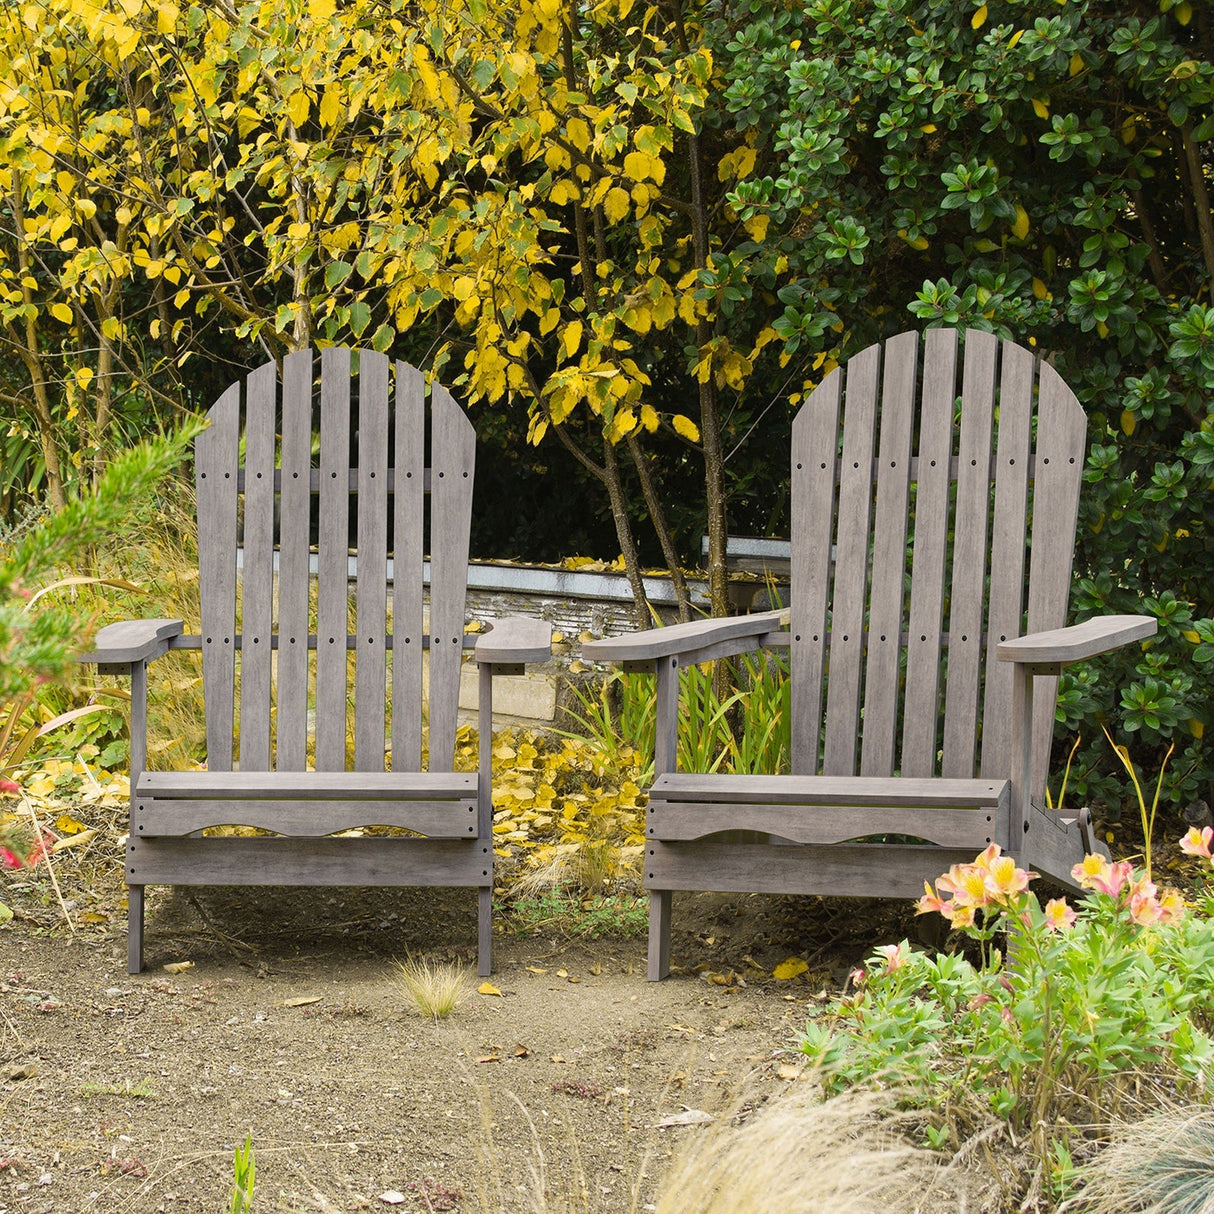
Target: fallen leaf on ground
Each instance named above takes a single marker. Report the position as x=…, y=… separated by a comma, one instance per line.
x=299, y=1001
x=787, y=1071
x=686, y=1117
x=487, y=988
x=392, y=1198
x=790, y=968
x=178, y=967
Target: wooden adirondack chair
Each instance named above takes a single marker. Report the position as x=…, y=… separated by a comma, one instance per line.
x=279, y=622
x=933, y=533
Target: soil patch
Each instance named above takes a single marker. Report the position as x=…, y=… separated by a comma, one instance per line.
x=130, y=1093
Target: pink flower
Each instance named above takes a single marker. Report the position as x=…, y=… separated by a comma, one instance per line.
x=1096, y=873
x=7, y=786
x=9, y=859
x=1004, y=880
x=931, y=902
x=1058, y=915
x=895, y=956
x=1197, y=842
x=1144, y=905
x=1171, y=906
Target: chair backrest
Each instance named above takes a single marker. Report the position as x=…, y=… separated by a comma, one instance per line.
x=935, y=521
x=343, y=443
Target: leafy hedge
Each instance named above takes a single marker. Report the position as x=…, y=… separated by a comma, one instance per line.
x=1040, y=169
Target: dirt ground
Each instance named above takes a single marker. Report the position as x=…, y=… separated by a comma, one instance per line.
x=130, y=1093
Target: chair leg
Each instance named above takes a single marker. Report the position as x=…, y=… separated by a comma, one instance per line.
x=659, y=934
x=485, y=930
x=134, y=936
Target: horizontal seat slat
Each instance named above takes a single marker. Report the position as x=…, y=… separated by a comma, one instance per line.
x=306, y=785
x=947, y=827
x=183, y=816
x=873, y=791
x=270, y=861
x=861, y=870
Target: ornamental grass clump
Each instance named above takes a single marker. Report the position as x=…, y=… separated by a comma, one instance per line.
x=1093, y=1001
x=435, y=988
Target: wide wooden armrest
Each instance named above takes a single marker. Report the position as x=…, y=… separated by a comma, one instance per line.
x=515, y=639
x=1061, y=646
x=132, y=641
x=691, y=637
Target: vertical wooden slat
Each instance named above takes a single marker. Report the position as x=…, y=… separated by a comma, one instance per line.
x=968, y=592
x=922, y=701
x=1061, y=437
x=216, y=453
x=333, y=588
x=1005, y=599
x=294, y=526
x=370, y=678
x=257, y=574
x=814, y=452
x=453, y=454
x=408, y=558
x=887, y=598
x=851, y=564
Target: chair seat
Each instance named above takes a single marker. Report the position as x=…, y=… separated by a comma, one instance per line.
x=435, y=804
x=829, y=809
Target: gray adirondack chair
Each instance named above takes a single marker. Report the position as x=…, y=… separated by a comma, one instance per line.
x=279, y=622
x=933, y=531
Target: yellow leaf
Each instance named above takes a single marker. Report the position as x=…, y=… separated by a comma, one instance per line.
x=1039, y=289
x=166, y=18
x=649, y=418
x=330, y=106
x=978, y=20
x=756, y=226
x=1020, y=228
x=685, y=427
x=1015, y=38
x=615, y=205
x=1184, y=12
x=298, y=106
x=1041, y=107
x=61, y=311
x=1128, y=422
x=487, y=988
x=1197, y=728
x=790, y=968
x=1076, y=65
x=572, y=337
x=68, y=825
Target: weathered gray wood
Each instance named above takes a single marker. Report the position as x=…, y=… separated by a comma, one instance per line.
x=1050, y=848
x=134, y=936
x=682, y=639
x=827, y=790
x=861, y=870
x=1005, y=596
x=312, y=785
x=408, y=560
x=1061, y=435
x=279, y=861
x=371, y=614
x=922, y=702
x=814, y=456
x=972, y=827
x=1061, y=646
x=434, y=819
x=659, y=934
x=332, y=587
x=132, y=641
x=967, y=592
x=882, y=691
x=257, y=573
x=666, y=723
x=849, y=602
x=215, y=457
x=291, y=725
x=514, y=639
x=453, y=451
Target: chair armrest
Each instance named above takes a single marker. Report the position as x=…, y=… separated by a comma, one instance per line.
x=691, y=637
x=1061, y=646
x=515, y=639
x=132, y=641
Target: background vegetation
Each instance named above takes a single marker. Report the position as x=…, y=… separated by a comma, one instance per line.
x=632, y=236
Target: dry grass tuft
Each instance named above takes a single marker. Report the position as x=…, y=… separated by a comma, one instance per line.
x=841, y=1156
x=436, y=989
x=1162, y=1163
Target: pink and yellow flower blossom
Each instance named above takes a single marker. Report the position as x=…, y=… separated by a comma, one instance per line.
x=1096, y=873
x=1004, y=880
x=1197, y=842
x=1059, y=915
x=895, y=956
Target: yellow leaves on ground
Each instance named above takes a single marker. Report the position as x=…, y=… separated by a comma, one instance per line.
x=554, y=798
x=791, y=968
